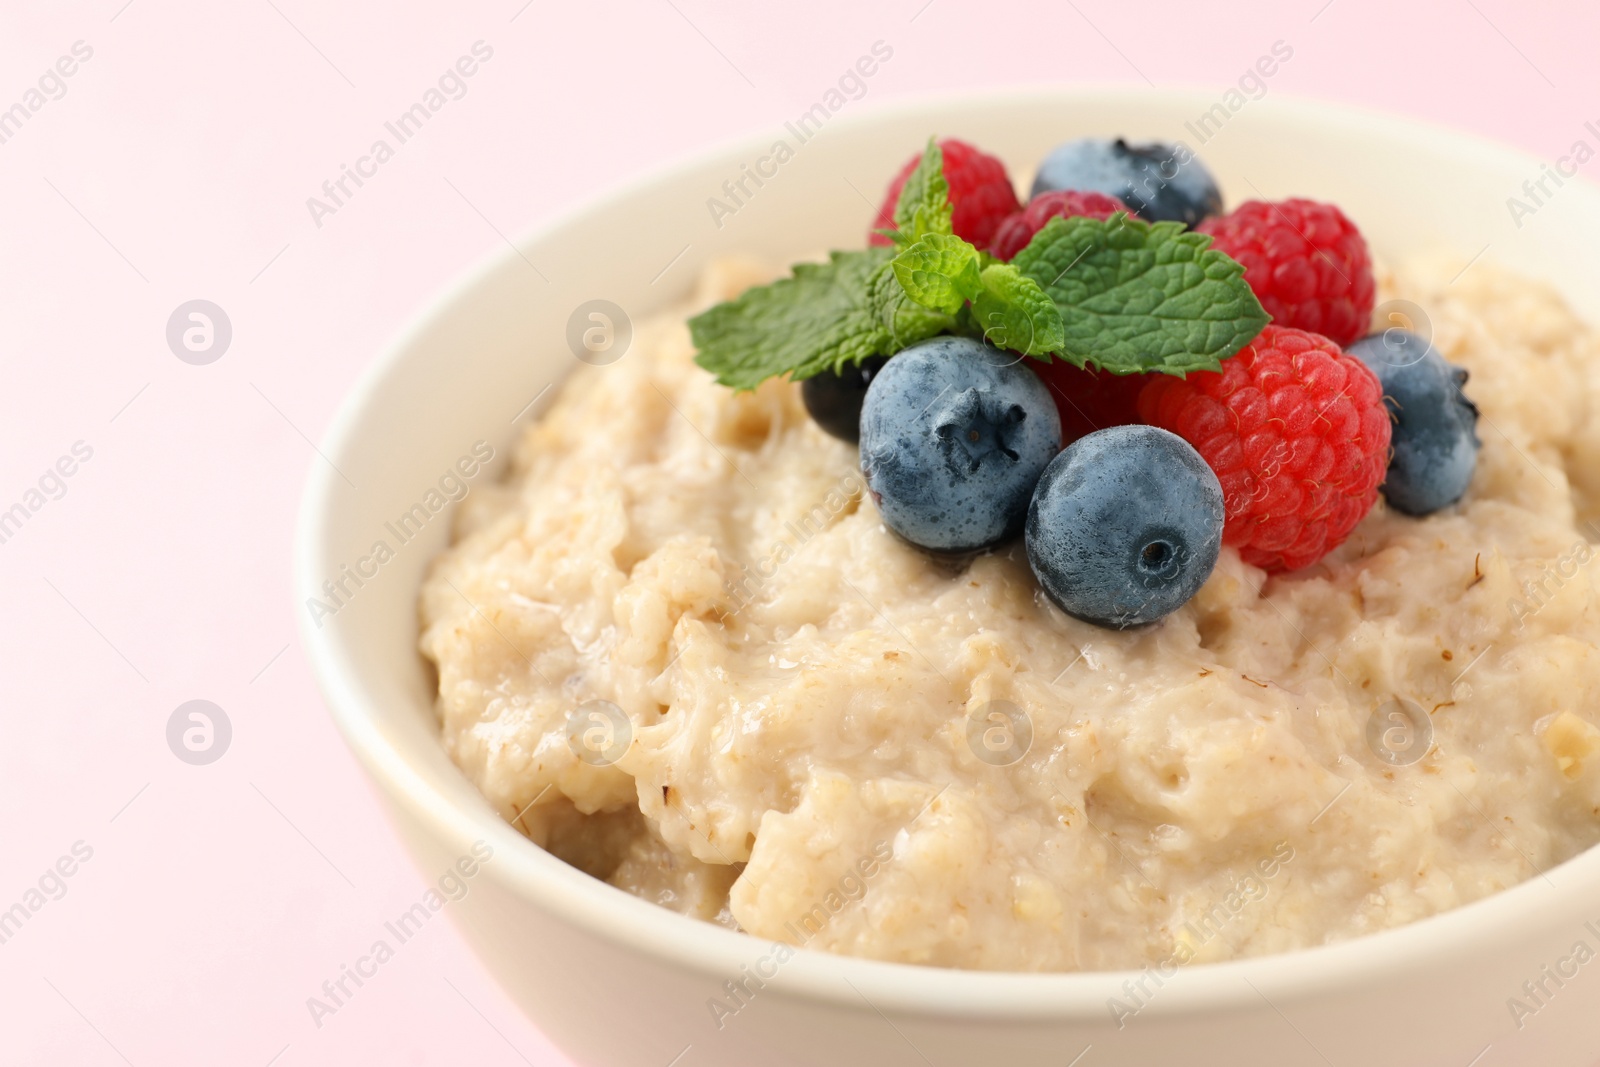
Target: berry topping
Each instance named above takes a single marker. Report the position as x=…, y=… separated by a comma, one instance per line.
x=954, y=434
x=1090, y=400
x=1125, y=526
x=1019, y=227
x=1306, y=262
x=834, y=397
x=1435, y=426
x=981, y=194
x=1158, y=182
x=1297, y=434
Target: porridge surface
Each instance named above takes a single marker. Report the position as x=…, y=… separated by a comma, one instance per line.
x=808, y=697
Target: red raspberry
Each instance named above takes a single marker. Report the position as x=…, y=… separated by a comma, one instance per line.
x=1297, y=434
x=1307, y=263
x=1090, y=400
x=980, y=193
x=1018, y=228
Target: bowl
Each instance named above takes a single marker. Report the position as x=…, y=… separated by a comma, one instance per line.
x=614, y=980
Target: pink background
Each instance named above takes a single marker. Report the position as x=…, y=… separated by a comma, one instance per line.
x=177, y=166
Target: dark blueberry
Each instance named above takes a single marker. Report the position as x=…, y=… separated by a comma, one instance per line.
x=1435, y=437
x=954, y=434
x=1157, y=181
x=834, y=400
x=1125, y=526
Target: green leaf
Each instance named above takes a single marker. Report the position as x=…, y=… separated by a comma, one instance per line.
x=939, y=272
x=1013, y=312
x=820, y=319
x=924, y=204
x=903, y=320
x=1136, y=296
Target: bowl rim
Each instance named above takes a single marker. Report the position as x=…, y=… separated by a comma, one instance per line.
x=603, y=911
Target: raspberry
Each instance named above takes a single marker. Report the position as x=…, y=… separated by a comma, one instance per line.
x=1090, y=400
x=1019, y=227
x=980, y=193
x=1307, y=263
x=1297, y=434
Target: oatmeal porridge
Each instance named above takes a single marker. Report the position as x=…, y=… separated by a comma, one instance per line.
x=803, y=706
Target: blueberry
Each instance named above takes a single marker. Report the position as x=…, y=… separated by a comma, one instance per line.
x=954, y=434
x=1435, y=439
x=1157, y=181
x=834, y=400
x=1125, y=526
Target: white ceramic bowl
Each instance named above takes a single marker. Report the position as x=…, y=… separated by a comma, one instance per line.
x=617, y=981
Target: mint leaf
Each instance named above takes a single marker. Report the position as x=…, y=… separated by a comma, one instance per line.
x=903, y=320
x=1136, y=296
x=1014, y=312
x=924, y=203
x=939, y=272
x=820, y=319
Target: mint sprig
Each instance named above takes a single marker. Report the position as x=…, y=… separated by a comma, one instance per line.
x=942, y=272
x=1138, y=296
x=1119, y=294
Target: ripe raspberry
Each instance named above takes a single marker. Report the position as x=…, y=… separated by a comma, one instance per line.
x=1307, y=263
x=981, y=194
x=1091, y=400
x=1018, y=228
x=1297, y=434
